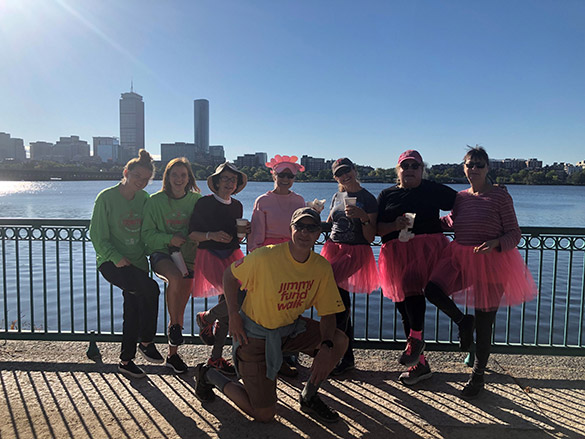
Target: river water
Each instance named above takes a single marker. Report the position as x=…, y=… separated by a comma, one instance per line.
x=550, y=206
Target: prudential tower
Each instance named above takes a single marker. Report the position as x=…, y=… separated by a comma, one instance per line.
x=202, y=125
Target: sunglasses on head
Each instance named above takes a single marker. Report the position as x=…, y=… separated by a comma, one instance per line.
x=406, y=166
x=285, y=175
x=471, y=165
x=342, y=171
x=311, y=228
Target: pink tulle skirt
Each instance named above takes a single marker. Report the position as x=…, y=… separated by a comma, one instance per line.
x=208, y=272
x=405, y=267
x=484, y=281
x=354, y=266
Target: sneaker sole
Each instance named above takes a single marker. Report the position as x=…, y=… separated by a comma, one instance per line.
x=313, y=414
x=412, y=382
x=177, y=371
x=150, y=359
x=130, y=374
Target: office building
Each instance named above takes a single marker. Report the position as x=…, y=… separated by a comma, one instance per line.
x=169, y=151
x=216, y=154
x=131, y=125
x=11, y=148
x=41, y=150
x=71, y=149
x=106, y=148
x=201, y=120
x=251, y=160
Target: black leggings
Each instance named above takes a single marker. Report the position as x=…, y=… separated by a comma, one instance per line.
x=345, y=324
x=412, y=310
x=140, y=305
x=484, y=322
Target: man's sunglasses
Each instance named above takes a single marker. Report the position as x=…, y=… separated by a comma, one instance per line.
x=471, y=165
x=285, y=175
x=406, y=166
x=311, y=228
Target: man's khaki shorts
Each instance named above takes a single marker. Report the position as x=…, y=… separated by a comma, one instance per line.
x=252, y=363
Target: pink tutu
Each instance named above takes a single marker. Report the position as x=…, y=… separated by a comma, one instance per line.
x=484, y=281
x=405, y=267
x=208, y=272
x=354, y=266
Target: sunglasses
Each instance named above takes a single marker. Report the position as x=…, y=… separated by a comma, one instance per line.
x=311, y=228
x=471, y=165
x=406, y=166
x=285, y=175
x=342, y=171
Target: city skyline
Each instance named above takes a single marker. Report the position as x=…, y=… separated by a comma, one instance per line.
x=365, y=82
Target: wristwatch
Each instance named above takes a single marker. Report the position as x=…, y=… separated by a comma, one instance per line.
x=327, y=343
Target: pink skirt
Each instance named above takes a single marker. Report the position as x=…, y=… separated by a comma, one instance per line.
x=484, y=281
x=405, y=267
x=208, y=272
x=354, y=266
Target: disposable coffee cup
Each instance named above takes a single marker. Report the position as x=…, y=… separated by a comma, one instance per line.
x=241, y=224
x=410, y=217
x=350, y=201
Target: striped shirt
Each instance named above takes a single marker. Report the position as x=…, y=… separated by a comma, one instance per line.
x=480, y=218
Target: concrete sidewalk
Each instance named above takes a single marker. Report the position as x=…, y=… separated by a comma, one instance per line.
x=51, y=389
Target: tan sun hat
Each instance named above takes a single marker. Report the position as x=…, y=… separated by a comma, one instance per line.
x=230, y=167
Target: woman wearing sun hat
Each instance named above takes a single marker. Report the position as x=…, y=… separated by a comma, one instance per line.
x=410, y=250
x=353, y=214
x=273, y=210
x=213, y=226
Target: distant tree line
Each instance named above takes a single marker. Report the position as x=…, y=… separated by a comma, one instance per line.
x=450, y=173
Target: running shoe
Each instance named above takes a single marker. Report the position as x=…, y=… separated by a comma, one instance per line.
x=223, y=365
x=206, y=330
x=411, y=355
x=416, y=374
x=318, y=409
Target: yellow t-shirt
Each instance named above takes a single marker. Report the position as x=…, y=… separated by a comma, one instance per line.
x=280, y=289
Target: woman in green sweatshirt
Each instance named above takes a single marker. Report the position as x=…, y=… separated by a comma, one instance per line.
x=121, y=259
x=166, y=220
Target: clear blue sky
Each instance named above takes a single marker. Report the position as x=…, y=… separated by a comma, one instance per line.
x=365, y=80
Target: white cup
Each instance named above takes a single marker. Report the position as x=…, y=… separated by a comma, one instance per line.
x=410, y=217
x=241, y=224
x=350, y=201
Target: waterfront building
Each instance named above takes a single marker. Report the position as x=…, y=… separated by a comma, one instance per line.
x=251, y=160
x=169, y=151
x=315, y=164
x=216, y=154
x=11, y=148
x=106, y=148
x=201, y=122
x=131, y=125
x=71, y=149
x=533, y=163
x=580, y=164
x=41, y=150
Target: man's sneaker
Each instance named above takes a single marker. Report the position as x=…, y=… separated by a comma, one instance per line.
x=286, y=370
x=130, y=369
x=176, y=363
x=415, y=374
x=466, y=327
x=206, y=333
x=222, y=365
x=473, y=387
x=150, y=353
x=411, y=355
x=175, y=335
x=343, y=366
x=203, y=389
x=318, y=409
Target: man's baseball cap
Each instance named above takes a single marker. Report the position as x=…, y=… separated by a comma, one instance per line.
x=305, y=212
x=410, y=154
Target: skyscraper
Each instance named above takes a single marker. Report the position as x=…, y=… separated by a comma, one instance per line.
x=202, y=124
x=131, y=125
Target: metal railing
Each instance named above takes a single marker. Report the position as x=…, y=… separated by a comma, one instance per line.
x=52, y=290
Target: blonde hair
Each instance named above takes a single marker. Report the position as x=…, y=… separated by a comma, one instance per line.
x=143, y=160
x=191, y=184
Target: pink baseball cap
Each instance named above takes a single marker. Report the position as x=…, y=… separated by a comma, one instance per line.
x=410, y=154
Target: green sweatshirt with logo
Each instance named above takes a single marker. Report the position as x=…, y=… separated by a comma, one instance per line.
x=115, y=228
x=163, y=217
